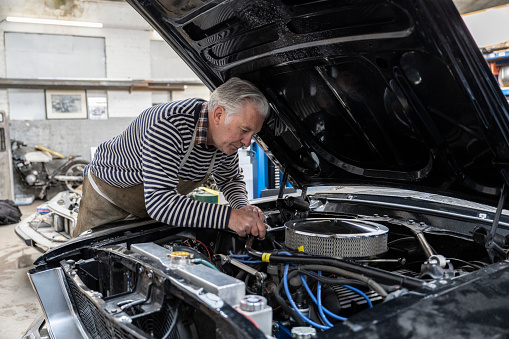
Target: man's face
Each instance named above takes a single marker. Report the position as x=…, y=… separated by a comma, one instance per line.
x=228, y=138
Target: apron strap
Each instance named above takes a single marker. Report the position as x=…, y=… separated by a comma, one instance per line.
x=186, y=187
x=191, y=146
x=190, y=149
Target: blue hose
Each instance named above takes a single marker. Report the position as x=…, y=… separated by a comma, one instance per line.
x=320, y=307
x=239, y=257
x=329, y=313
x=361, y=293
x=234, y=255
x=289, y=296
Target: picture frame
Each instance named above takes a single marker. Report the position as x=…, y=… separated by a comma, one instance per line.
x=97, y=104
x=66, y=104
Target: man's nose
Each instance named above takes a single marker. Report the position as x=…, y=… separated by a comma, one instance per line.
x=246, y=141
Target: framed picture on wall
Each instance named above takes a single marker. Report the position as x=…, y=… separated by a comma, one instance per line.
x=97, y=104
x=66, y=104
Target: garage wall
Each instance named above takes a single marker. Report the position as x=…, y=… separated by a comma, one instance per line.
x=30, y=55
x=67, y=136
x=131, y=51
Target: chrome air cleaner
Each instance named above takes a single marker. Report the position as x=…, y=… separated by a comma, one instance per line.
x=341, y=238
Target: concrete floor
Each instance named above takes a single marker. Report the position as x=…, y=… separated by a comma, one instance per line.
x=18, y=304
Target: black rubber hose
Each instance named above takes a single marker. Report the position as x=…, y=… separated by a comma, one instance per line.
x=371, y=283
x=375, y=273
x=333, y=281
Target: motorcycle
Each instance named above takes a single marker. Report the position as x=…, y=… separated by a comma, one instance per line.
x=31, y=166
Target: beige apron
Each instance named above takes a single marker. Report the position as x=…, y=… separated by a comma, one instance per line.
x=102, y=203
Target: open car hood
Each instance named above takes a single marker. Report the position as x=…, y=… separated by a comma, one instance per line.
x=364, y=91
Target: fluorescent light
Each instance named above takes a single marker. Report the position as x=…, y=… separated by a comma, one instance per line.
x=54, y=22
x=156, y=35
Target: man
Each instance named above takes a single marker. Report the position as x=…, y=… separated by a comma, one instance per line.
x=169, y=150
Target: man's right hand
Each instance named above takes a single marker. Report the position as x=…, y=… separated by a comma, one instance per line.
x=245, y=222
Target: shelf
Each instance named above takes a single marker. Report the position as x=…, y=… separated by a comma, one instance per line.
x=497, y=55
x=97, y=84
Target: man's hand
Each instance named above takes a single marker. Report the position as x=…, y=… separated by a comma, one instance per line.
x=255, y=210
x=247, y=220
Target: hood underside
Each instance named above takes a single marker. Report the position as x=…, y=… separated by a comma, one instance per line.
x=383, y=92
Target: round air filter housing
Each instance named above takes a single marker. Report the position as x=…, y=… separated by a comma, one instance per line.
x=341, y=238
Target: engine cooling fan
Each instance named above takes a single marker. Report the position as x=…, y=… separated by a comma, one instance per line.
x=340, y=238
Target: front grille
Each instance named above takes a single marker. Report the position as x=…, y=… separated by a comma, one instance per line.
x=93, y=319
x=158, y=323
x=155, y=324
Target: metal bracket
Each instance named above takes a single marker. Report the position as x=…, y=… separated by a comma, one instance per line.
x=437, y=267
x=495, y=252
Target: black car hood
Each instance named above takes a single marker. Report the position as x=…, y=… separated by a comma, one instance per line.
x=384, y=92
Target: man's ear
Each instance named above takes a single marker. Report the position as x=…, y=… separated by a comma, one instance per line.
x=218, y=114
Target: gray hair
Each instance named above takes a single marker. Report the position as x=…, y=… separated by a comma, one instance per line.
x=234, y=94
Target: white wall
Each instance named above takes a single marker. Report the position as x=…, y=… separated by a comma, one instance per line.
x=192, y=92
x=125, y=104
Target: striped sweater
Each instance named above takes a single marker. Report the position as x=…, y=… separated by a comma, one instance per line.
x=151, y=150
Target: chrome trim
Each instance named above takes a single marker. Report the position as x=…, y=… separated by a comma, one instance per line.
x=61, y=318
x=374, y=230
x=33, y=331
x=309, y=44
x=423, y=209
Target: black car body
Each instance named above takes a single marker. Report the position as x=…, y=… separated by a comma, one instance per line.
x=389, y=103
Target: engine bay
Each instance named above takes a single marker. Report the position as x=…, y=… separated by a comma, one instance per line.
x=316, y=268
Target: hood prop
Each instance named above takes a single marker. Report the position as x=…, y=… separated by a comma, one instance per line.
x=495, y=251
